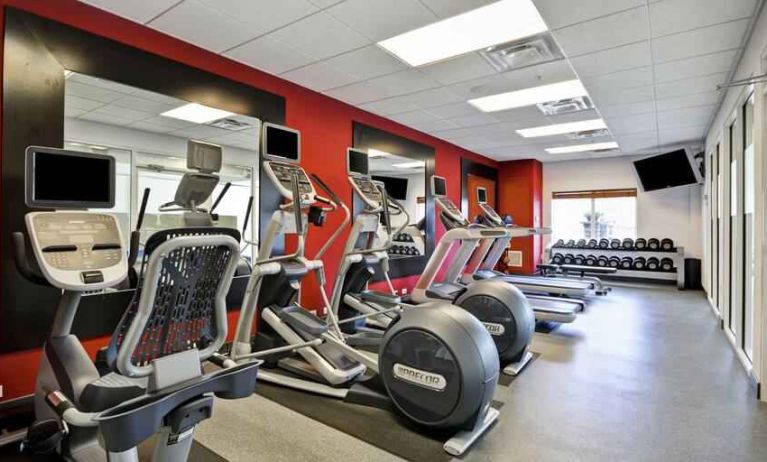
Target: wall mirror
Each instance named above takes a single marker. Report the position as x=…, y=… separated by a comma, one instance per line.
x=403, y=166
x=405, y=182
x=147, y=134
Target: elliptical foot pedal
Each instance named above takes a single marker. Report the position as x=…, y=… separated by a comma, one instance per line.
x=43, y=437
x=514, y=369
x=462, y=441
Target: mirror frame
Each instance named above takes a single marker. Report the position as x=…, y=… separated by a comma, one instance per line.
x=470, y=167
x=367, y=137
x=36, y=53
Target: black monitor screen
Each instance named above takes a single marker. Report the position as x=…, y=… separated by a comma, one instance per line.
x=72, y=179
x=440, y=187
x=665, y=171
x=396, y=188
x=482, y=195
x=357, y=161
x=281, y=143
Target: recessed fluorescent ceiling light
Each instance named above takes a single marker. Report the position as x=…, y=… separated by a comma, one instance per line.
x=409, y=164
x=530, y=96
x=489, y=25
x=197, y=113
x=558, y=129
x=582, y=147
x=376, y=153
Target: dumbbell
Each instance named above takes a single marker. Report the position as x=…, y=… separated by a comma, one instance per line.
x=590, y=260
x=640, y=244
x=615, y=244
x=653, y=264
x=581, y=244
x=592, y=244
x=667, y=264
x=568, y=260
x=627, y=244
x=604, y=244
x=653, y=244
x=614, y=262
x=417, y=252
x=640, y=263
x=570, y=244
x=559, y=243
x=627, y=263
x=557, y=258
x=578, y=260
x=667, y=244
x=603, y=261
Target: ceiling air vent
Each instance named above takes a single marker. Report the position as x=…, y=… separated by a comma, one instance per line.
x=230, y=124
x=589, y=134
x=566, y=106
x=529, y=51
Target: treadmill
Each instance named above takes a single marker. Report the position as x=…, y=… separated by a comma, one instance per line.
x=548, y=309
x=482, y=264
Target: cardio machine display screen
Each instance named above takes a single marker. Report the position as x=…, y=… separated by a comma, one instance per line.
x=61, y=178
x=281, y=142
x=440, y=187
x=358, y=161
x=482, y=195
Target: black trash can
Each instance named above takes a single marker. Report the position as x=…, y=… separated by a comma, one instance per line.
x=692, y=274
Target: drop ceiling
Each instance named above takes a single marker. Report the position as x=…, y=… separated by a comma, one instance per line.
x=650, y=67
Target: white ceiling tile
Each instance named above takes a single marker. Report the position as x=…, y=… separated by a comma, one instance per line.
x=389, y=106
x=72, y=112
x=319, y=76
x=453, y=110
x=697, y=66
x=673, y=16
x=270, y=55
x=145, y=126
x=263, y=17
x=366, y=63
x=698, y=99
x=700, y=41
x=623, y=95
x=413, y=116
x=475, y=120
x=431, y=98
x=109, y=119
x=681, y=135
x=194, y=22
x=466, y=67
x=613, y=60
x=528, y=116
x=689, y=86
x=631, y=124
x=92, y=92
x=623, y=110
x=560, y=13
x=145, y=105
x=433, y=126
x=449, y=8
x=379, y=20
x=542, y=74
x=617, y=80
x=638, y=141
x=168, y=122
x=688, y=117
x=136, y=10
x=484, y=86
x=97, y=82
x=124, y=113
x=156, y=97
x=605, y=32
x=325, y=3
x=321, y=36
x=83, y=104
x=357, y=93
x=400, y=83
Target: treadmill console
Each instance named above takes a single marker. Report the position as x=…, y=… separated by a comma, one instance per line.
x=282, y=175
x=491, y=215
x=367, y=190
x=448, y=207
x=79, y=251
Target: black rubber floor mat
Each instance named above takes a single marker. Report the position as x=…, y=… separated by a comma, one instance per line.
x=385, y=430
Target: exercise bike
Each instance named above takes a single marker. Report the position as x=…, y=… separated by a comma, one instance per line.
x=441, y=377
x=175, y=321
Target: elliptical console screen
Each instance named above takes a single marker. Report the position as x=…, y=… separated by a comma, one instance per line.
x=281, y=142
x=439, y=186
x=357, y=161
x=61, y=178
x=482, y=195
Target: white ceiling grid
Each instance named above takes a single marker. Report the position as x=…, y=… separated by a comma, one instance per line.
x=651, y=67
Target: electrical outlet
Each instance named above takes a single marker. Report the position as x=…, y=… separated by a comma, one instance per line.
x=404, y=291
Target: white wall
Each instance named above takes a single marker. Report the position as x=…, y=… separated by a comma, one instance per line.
x=673, y=213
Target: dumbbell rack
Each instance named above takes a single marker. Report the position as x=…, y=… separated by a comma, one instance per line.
x=677, y=254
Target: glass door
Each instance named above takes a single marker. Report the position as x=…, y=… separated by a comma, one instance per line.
x=732, y=222
x=748, y=261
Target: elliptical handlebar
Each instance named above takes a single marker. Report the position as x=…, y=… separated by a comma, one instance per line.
x=335, y=202
x=22, y=262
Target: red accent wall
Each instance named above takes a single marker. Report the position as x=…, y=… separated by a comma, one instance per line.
x=520, y=194
x=325, y=124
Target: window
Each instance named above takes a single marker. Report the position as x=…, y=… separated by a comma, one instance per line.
x=609, y=213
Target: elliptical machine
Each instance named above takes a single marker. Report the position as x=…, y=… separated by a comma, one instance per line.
x=437, y=365
x=175, y=321
x=502, y=308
